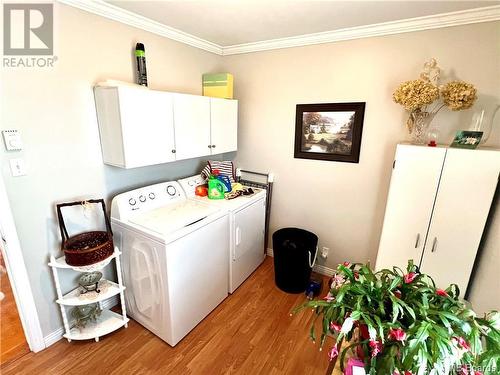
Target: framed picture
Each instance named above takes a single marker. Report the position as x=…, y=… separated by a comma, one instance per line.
x=330, y=131
x=467, y=139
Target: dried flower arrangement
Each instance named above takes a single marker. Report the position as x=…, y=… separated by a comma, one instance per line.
x=417, y=95
x=398, y=322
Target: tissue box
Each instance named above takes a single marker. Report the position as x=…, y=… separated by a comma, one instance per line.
x=219, y=85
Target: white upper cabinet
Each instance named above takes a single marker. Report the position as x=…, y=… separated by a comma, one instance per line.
x=140, y=127
x=414, y=182
x=223, y=125
x=192, y=125
x=135, y=125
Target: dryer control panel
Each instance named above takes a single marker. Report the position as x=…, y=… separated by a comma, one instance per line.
x=146, y=198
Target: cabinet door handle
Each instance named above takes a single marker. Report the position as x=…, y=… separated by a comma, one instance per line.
x=213, y=146
x=209, y=146
x=173, y=151
x=417, y=240
x=434, y=244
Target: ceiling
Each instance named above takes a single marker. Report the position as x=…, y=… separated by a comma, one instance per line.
x=234, y=22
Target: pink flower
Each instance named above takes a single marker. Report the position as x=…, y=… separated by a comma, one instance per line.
x=334, y=326
x=376, y=347
x=461, y=342
x=397, y=334
x=356, y=275
x=346, y=264
x=478, y=373
x=464, y=370
x=333, y=353
x=408, y=278
x=329, y=297
x=441, y=292
x=397, y=293
x=408, y=373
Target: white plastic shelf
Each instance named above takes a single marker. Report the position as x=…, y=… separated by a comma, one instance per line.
x=61, y=263
x=107, y=322
x=72, y=298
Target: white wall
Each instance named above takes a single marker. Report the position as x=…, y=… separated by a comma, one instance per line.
x=55, y=113
x=344, y=203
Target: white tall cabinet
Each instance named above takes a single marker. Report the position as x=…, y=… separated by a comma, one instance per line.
x=438, y=204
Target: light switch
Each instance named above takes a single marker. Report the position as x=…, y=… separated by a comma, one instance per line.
x=17, y=167
x=12, y=140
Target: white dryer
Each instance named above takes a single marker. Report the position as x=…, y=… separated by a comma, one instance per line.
x=247, y=215
x=175, y=264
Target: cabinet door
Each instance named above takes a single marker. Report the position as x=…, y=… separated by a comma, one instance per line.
x=192, y=126
x=463, y=202
x=414, y=183
x=223, y=125
x=147, y=126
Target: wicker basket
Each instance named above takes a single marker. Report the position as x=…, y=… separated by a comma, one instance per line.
x=85, y=248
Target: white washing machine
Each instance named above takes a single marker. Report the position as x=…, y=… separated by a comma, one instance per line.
x=175, y=264
x=247, y=215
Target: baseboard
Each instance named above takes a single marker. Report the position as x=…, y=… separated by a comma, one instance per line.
x=55, y=336
x=323, y=270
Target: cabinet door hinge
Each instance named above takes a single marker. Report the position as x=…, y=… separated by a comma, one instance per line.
x=393, y=163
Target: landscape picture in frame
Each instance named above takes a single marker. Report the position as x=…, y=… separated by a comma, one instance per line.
x=329, y=131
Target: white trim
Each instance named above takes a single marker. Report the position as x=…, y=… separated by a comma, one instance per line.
x=115, y=13
x=57, y=335
x=18, y=276
x=435, y=21
x=323, y=270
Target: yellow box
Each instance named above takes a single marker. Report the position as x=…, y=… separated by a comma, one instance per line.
x=218, y=85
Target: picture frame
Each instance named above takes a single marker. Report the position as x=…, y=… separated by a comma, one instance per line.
x=329, y=131
x=467, y=139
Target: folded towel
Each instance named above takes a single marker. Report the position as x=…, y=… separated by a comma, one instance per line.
x=225, y=168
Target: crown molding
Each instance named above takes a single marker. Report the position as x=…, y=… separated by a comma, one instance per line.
x=115, y=13
x=463, y=17
x=436, y=21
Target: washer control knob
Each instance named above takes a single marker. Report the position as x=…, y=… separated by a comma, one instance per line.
x=171, y=190
x=142, y=198
x=152, y=196
x=132, y=201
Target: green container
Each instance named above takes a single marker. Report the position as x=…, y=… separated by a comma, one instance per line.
x=215, y=188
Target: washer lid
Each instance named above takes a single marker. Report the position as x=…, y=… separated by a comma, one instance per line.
x=164, y=220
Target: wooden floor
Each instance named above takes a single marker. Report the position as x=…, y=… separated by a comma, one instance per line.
x=251, y=332
x=12, y=341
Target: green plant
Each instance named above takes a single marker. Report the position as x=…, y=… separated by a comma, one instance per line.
x=399, y=323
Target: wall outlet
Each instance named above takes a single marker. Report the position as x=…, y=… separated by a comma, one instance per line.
x=324, y=252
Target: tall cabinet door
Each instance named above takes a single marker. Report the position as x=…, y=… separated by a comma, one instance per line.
x=412, y=191
x=147, y=126
x=463, y=202
x=223, y=125
x=192, y=126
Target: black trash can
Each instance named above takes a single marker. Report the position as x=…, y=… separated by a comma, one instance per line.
x=294, y=254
